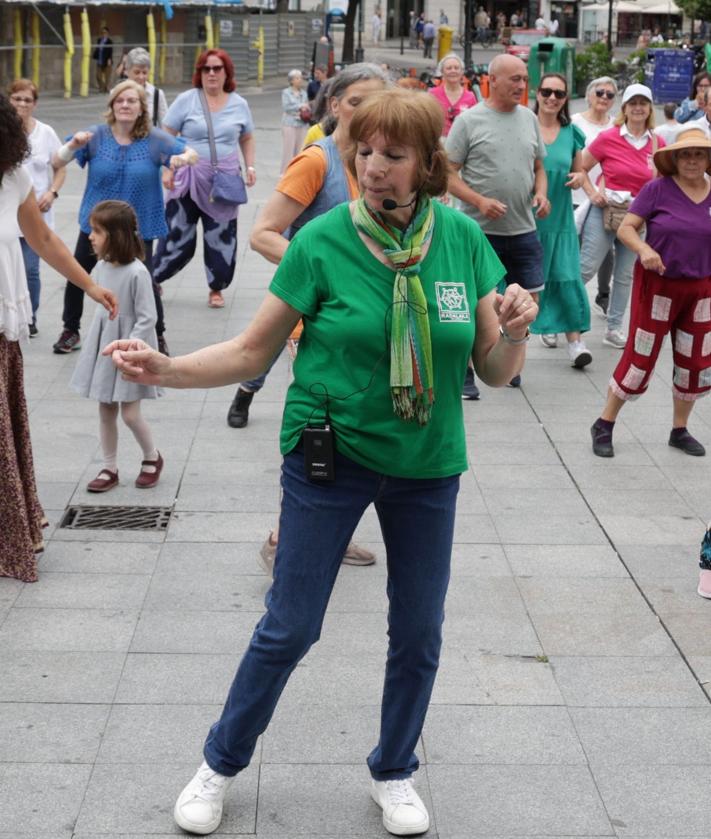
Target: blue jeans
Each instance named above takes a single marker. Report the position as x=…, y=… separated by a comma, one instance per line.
x=316, y=524
x=32, y=272
x=597, y=243
x=522, y=257
x=255, y=385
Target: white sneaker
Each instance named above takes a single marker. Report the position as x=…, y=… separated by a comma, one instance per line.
x=615, y=338
x=404, y=813
x=549, y=341
x=199, y=806
x=579, y=354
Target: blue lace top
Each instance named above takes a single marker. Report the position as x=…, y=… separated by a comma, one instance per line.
x=127, y=173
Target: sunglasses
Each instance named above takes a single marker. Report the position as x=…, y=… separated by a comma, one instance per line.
x=547, y=92
x=22, y=99
x=605, y=94
x=213, y=68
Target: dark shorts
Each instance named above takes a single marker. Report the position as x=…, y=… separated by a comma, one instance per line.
x=522, y=257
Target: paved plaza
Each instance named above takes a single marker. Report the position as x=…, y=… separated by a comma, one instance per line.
x=572, y=699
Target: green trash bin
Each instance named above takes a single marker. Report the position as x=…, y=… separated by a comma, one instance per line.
x=551, y=55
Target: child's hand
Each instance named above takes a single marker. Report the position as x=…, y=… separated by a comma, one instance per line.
x=138, y=362
x=105, y=297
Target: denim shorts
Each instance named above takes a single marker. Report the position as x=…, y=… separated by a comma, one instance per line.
x=522, y=257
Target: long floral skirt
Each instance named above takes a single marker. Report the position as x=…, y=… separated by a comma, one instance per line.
x=21, y=514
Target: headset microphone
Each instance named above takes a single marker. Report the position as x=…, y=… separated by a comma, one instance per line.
x=389, y=204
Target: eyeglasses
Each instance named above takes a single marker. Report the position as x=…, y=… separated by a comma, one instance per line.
x=213, y=68
x=547, y=92
x=23, y=99
x=605, y=94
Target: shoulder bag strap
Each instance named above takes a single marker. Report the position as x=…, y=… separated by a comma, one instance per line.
x=156, y=94
x=210, y=129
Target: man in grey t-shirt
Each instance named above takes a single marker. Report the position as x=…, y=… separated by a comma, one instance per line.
x=497, y=148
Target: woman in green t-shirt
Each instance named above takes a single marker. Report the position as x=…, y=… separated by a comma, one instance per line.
x=396, y=292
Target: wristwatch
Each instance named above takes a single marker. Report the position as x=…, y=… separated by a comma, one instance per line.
x=55, y=193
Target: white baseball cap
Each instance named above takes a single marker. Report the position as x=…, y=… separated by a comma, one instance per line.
x=636, y=90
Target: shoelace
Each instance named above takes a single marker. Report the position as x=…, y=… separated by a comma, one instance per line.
x=211, y=784
x=400, y=791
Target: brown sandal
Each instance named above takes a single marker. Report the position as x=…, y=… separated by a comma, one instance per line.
x=148, y=479
x=103, y=482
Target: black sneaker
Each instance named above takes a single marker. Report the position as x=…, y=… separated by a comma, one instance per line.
x=67, y=342
x=162, y=345
x=238, y=415
x=515, y=382
x=469, y=388
x=601, y=440
x=600, y=305
x=681, y=439
x=33, y=329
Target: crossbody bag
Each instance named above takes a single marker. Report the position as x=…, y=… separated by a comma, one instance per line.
x=227, y=187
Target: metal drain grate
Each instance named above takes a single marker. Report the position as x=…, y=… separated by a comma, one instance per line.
x=116, y=518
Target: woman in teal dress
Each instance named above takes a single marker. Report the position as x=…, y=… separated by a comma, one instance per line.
x=563, y=303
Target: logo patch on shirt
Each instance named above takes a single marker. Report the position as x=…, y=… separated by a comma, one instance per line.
x=452, y=303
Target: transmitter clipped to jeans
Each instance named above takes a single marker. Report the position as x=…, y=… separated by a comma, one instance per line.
x=319, y=452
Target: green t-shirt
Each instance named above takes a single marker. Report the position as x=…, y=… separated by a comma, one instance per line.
x=345, y=295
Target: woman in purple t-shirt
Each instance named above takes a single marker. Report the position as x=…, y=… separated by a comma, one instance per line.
x=671, y=290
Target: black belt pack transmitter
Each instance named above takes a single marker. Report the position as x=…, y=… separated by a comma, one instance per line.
x=319, y=450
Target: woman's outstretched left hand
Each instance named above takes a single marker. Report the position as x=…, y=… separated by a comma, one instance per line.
x=516, y=309
x=138, y=362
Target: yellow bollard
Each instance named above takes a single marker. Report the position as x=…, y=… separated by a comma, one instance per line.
x=259, y=45
x=68, y=54
x=85, y=54
x=209, y=35
x=35, y=28
x=444, y=41
x=19, y=41
x=163, y=50
x=151, y=32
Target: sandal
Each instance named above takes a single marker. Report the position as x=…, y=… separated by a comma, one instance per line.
x=103, y=482
x=215, y=300
x=147, y=479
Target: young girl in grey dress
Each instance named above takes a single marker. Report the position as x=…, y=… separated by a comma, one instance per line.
x=118, y=245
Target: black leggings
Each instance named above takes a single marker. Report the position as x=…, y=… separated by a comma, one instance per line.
x=74, y=296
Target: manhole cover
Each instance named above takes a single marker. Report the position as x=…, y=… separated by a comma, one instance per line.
x=116, y=518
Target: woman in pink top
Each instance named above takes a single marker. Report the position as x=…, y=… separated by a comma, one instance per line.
x=624, y=153
x=452, y=95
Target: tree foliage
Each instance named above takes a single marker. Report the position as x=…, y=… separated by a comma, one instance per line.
x=695, y=9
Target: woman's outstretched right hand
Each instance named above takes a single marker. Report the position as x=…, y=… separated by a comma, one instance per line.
x=138, y=362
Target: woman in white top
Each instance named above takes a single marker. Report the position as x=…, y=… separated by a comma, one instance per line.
x=47, y=180
x=600, y=95
x=293, y=127
x=20, y=510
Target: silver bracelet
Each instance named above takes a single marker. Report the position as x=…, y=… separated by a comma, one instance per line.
x=516, y=342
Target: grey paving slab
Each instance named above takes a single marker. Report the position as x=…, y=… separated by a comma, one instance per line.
x=344, y=680
x=68, y=630
x=85, y=591
x=41, y=797
x=175, y=679
x=9, y=590
x=649, y=563
x=210, y=558
x=156, y=733
x=654, y=502
x=652, y=530
x=152, y=789
x=488, y=560
x=50, y=733
x=545, y=502
x=245, y=497
x=99, y=558
x=539, y=800
x=684, y=613
x=627, y=682
x=524, y=477
x=53, y=676
x=219, y=527
x=512, y=454
x=560, y=561
x=532, y=528
x=456, y=735
x=603, y=617
x=291, y=801
x=209, y=632
x=643, y=736
x=484, y=433
x=655, y=801
x=620, y=476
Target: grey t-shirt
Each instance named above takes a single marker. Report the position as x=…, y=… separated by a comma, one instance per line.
x=497, y=151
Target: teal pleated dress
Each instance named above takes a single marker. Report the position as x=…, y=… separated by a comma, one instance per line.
x=563, y=303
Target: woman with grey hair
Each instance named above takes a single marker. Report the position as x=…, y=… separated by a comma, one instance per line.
x=600, y=96
x=294, y=107
x=315, y=182
x=452, y=94
x=138, y=67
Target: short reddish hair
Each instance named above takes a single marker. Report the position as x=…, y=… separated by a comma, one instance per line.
x=230, y=83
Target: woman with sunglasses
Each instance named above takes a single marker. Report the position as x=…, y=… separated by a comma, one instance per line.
x=453, y=95
x=189, y=192
x=600, y=95
x=563, y=302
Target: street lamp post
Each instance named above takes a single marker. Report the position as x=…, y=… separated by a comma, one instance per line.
x=609, y=28
x=468, y=33
x=359, y=48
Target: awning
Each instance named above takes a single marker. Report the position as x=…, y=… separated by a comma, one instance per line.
x=630, y=7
